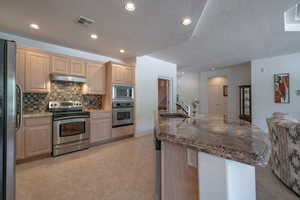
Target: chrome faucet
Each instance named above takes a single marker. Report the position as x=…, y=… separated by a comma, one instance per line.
x=184, y=107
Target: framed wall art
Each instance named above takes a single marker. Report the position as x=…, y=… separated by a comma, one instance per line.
x=282, y=88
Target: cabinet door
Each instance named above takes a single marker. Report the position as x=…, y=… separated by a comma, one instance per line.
x=100, y=129
x=20, y=67
x=77, y=67
x=38, y=140
x=20, y=151
x=60, y=64
x=37, y=72
x=117, y=74
x=122, y=75
x=96, y=78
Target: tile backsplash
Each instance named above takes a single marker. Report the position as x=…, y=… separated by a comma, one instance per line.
x=60, y=91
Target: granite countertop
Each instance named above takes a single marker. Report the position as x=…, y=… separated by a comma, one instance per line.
x=234, y=140
x=38, y=114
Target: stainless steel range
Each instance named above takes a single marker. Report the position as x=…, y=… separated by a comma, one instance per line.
x=71, y=127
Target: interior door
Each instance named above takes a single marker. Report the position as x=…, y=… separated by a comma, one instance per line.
x=217, y=103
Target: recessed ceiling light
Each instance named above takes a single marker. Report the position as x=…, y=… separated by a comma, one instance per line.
x=122, y=51
x=94, y=36
x=130, y=6
x=186, y=21
x=34, y=26
x=212, y=69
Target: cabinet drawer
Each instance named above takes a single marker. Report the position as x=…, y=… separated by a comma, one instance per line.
x=101, y=115
x=38, y=121
x=123, y=131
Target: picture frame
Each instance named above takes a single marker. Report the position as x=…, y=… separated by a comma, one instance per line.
x=282, y=88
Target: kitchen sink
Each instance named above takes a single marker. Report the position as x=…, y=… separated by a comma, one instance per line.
x=173, y=115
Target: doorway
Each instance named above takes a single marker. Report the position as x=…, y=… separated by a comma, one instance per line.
x=163, y=95
x=218, y=95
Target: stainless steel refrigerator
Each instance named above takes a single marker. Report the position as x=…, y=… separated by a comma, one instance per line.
x=9, y=119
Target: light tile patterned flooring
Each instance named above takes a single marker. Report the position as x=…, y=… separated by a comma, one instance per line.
x=121, y=170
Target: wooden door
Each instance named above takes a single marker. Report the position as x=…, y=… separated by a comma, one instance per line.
x=96, y=78
x=37, y=72
x=20, y=140
x=60, y=64
x=38, y=140
x=78, y=67
x=100, y=130
x=20, y=67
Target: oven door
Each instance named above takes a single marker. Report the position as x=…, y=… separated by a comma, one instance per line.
x=122, y=92
x=122, y=117
x=70, y=130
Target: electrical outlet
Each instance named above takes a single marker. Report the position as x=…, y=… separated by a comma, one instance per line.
x=192, y=157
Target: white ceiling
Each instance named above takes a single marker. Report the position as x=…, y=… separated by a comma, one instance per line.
x=156, y=24
x=228, y=32
x=235, y=31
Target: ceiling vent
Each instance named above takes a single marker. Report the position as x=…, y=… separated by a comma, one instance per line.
x=85, y=20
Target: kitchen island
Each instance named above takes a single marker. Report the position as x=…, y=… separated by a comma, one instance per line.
x=208, y=157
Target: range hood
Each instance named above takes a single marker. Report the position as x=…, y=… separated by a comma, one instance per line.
x=67, y=78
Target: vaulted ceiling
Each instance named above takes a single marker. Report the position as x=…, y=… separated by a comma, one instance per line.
x=155, y=24
x=223, y=32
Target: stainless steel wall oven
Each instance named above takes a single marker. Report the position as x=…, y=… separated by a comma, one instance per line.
x=122, y=113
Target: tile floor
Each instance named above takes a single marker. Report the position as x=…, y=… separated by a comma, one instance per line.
x=122, y=170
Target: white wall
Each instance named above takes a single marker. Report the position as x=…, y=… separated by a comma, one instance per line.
x=188, y=87
x=148, y=69
x=237, y=75
x=55, y=48
x=263, y=71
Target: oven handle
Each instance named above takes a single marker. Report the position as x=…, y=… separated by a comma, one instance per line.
x=73, y=117
x=123, y=109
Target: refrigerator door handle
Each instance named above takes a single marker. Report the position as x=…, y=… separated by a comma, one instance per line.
x=19, y=114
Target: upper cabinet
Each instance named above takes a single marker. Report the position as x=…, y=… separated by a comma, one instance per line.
x=122, y=74
x=20, y=67
x=77, y=67
x=37, y=72
x=96, y=78
x=60, y=64
x=68, y=65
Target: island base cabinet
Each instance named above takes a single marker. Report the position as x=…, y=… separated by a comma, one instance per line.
x=179, y=180
x=225, y=179
x=123, y=131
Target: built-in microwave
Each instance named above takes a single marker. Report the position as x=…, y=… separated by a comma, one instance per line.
x=122, y=92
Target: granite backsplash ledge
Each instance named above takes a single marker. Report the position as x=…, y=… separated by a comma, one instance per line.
x=60, y=91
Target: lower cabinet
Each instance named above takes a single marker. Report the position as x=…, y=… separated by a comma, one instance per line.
x=100, y=126
x=122, y=131
x=35, y=138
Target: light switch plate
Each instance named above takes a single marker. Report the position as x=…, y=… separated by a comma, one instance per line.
x=192, y=157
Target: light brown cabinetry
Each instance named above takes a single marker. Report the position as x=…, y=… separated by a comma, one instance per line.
x=20, y=141
x=123, y=131
x=77, y=67
x=101, y=126
x=20, y=67
x=96, y=78
x=68, y=65
x=34, y=138
x=37, y=72
x=122, y=75
x=60, y=64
